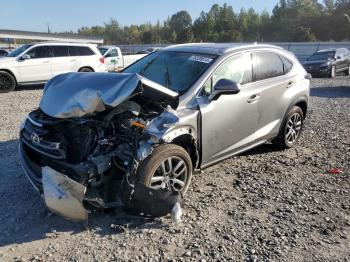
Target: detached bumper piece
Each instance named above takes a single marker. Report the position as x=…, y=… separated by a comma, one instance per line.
x=63, y=196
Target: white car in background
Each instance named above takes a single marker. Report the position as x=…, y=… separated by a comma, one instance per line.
x=37, y=63
x=115, y=60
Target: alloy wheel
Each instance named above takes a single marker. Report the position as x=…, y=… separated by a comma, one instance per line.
x=333, y=72
x=293, y=128
x=5, y=82
x=172, y=174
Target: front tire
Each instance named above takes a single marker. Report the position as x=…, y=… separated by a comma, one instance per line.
x=348, y=70
x=332, y=73
x=7, y=82
x=291, y=129
x=169, y=166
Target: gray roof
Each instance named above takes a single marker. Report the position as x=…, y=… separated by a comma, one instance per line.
x=16, y=34
x=216, y=49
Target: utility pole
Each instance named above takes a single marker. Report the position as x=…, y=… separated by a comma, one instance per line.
x=48, y=27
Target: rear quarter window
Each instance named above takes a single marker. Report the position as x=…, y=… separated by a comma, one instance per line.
x=84, y=51
x=287, y=65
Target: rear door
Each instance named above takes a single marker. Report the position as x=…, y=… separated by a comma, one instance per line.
x=38, y=67
x=273, y=81
x=228, y=123
x=63, y=61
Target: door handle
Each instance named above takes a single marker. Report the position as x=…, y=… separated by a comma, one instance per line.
x=73, y=60
x=46, y=62
x=253, y=98
x=291, y=83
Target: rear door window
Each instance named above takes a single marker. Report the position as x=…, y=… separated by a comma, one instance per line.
x=60, y=51
x=40, y=52
x=267, y=65
x=72, y=51
x=84, y=51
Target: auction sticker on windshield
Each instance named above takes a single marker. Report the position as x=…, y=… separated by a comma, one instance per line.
x=201, y=59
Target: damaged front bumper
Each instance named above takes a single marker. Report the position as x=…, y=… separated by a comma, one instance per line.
x=62, y=195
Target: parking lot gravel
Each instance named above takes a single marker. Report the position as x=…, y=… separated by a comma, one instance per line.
x=263, y=205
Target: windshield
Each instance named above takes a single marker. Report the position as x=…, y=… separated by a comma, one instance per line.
x=102, y=50
x=174, y=70
x=19, y=51
x=322, y=56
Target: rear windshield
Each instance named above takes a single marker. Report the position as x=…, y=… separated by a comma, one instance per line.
x=322, y=56
x=174, y=70
x=19, y=51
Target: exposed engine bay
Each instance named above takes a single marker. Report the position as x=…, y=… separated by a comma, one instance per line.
x=99, y=149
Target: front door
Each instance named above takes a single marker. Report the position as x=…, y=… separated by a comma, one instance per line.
x=228, y=124
x=38, y=67
x=113, y=60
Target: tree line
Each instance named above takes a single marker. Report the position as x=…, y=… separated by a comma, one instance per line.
x=290, y=20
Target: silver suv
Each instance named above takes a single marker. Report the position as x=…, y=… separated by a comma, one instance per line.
x=138, y=136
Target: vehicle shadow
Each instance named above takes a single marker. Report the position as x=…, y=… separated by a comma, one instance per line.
x=29, y=87
x=24, y=217
x=261, y=150
x=331, y=92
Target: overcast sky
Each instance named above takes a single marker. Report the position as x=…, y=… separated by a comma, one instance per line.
x=66, y=15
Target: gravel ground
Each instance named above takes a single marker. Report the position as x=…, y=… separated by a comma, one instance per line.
x=264, y=205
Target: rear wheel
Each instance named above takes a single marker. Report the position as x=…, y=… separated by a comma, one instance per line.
x=7, y=82
x=291, y=129
x=86, y=70
x=168, y=167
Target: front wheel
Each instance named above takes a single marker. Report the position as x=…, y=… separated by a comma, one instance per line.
x=7, y=82
x=332, y=72
x=168, y=167
x=86, y=70
x=291, y=129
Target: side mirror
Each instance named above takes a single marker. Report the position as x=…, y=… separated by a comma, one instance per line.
x=24, y=57
x=338, y=57
x=224, y=87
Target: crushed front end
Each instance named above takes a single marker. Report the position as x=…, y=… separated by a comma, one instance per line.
x=86, y=158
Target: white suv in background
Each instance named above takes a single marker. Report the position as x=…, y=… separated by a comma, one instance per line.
x=37, y=63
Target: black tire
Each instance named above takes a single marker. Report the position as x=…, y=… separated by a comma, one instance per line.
x=284, y=140
x=148, y=168
x=348, y=70
x=332, y=72
x=7, y=82
x=86, y=70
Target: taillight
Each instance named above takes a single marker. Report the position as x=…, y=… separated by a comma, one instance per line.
x=102, y=59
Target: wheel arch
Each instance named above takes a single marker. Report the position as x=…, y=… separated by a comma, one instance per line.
x=186, y=137
x=11, y=73
x=89, y=67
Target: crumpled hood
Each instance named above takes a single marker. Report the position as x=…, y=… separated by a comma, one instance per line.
x=83, y=94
